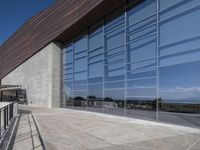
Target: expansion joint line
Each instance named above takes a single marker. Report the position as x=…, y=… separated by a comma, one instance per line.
x=31, y=132
x=189, y=148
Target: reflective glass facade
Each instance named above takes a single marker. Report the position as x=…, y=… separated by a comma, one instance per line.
x=140, y=60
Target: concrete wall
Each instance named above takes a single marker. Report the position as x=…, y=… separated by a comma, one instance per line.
x=40, y=76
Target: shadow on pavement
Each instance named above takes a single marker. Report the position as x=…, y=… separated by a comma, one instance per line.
x=26, y=134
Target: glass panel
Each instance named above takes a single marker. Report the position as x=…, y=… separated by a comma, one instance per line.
x=67, y=76
x=174, y=30
x=80, y=99
x=95, y=52
x=96, y=70
x=96, y=41
x=80, y=65
x=115, y=39
x=168, y=3
x=95, y=100
x=183, y=119
x=117, y=74
x=96, y=58
x=180, y=8
x=113, y=85
x=144, y=23
x=142, y=83
x=180, y=58
x=115, y=24
x=141, y=74
x=118, y=50
x=80, y=87
x=141, y=65
x=114, y=94
x=114, y=101
x=80, y=94
x=115, y=58
x=115, y=66
x=141, y=92
x=67, y=92
x=78, y=82
x=80, y=45
x=143, y=32
x=69, y=47
x=180, y=83
x=141, y=107
x=80, y=76
x=64, y=60
x=95, y=91
x=69, y=66
x=141, y=103
x=95, y=80
x=142, y=50
x=141, y=11
x=80, y=55
x=187, y=45
x=69, y=57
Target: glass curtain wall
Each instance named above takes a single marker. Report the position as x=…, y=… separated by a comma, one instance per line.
x=140, y=60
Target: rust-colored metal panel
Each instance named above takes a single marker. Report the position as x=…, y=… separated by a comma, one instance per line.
x=57, y=23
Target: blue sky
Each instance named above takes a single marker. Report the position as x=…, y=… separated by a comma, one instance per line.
x=13, y=13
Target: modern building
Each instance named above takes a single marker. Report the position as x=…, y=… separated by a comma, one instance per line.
x=137, y=58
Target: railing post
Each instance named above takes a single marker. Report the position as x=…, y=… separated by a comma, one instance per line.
x=7, y=119
x=4, y=118
x=0, y=124
x=11, y=111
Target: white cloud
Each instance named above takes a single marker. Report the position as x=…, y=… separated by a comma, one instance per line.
x=180, y=93
x=182, y=89
x=190, y=89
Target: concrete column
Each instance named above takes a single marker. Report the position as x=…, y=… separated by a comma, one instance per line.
x=40, y=76
x=56, y=75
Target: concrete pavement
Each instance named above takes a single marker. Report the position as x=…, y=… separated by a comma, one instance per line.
x=66, y=129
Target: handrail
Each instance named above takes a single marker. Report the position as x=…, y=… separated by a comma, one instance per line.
x=7, y=112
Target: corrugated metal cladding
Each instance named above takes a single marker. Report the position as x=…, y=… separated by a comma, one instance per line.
x=57, y=23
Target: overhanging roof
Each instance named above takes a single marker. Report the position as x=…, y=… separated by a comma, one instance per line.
x=59, y=22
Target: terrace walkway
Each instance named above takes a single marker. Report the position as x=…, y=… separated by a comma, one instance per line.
x=65, y=129
x=25, y=135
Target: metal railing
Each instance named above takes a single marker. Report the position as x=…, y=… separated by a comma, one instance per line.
x=7, y=112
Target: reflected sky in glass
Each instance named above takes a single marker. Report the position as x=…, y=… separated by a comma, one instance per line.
x=180, y=82
x=111, y=67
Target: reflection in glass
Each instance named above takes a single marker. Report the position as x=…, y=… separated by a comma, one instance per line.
x=113, y=101
x=174, y=30
x=127, y=63
x=67, y=91
x=95, y=94
x=142, y=50
x=180, y=88
x=180, y=83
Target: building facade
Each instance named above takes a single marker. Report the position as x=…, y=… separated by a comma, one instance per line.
x=136, y=58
